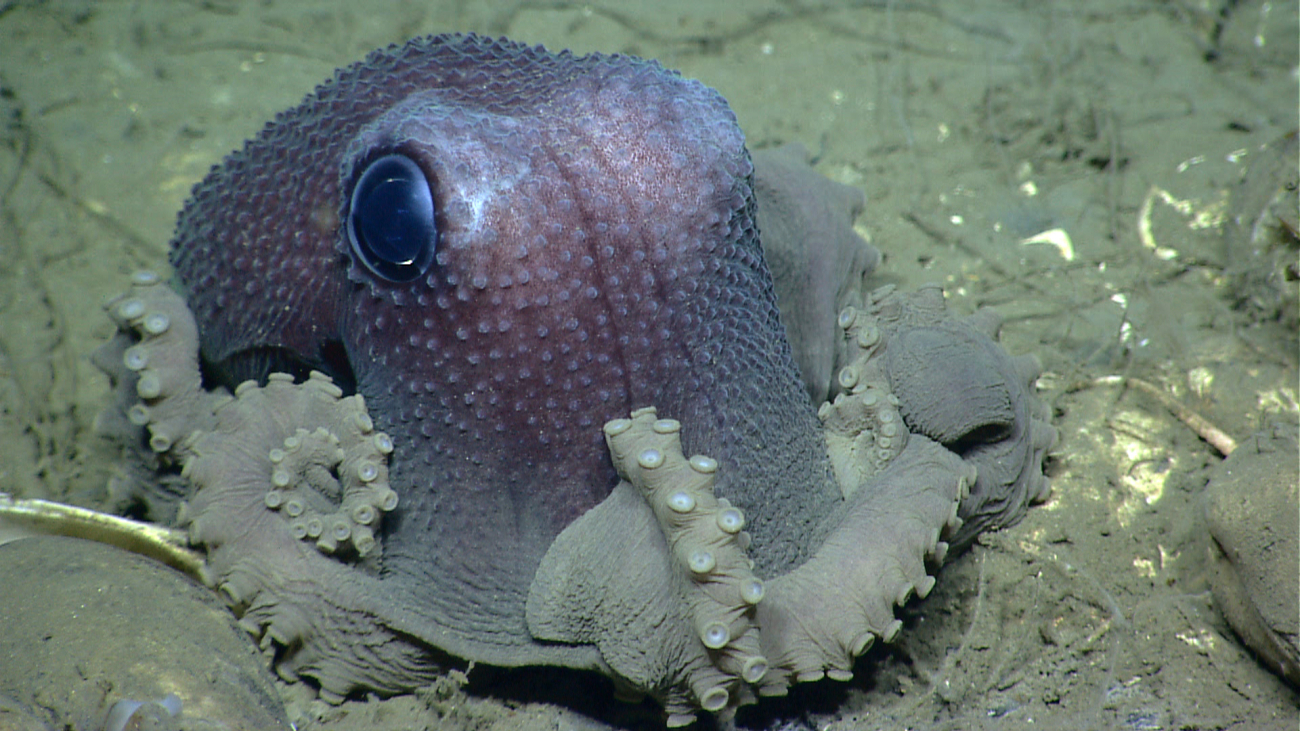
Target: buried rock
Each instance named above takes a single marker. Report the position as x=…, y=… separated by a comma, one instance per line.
x=99, y=638
x=1251, y=506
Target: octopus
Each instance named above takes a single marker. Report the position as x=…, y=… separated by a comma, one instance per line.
x=488, y=353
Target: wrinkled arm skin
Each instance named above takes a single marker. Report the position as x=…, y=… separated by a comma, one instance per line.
x=818, y=261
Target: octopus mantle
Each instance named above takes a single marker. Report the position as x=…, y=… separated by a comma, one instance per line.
x=493, y=251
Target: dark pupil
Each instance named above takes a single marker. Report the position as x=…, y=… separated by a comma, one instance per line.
x=392, y=219
x=386, y=221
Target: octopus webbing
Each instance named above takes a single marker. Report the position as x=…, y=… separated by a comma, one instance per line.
x=480, y=355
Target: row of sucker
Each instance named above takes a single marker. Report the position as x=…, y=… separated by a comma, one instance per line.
x=166, y=376
x=893, y=529
x=1044, y=435
x=707, y=540
x=864, y=431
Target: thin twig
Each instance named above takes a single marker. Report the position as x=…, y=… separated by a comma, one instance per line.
x=1215, y=436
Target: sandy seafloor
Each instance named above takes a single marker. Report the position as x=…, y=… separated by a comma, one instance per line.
x=1117, y=128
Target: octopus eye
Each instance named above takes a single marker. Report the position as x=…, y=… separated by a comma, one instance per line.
x=390, y=220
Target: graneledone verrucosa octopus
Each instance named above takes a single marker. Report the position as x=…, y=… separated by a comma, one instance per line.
x=530, y=362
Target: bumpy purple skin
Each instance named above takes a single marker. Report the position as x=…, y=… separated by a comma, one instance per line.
x=597, y=253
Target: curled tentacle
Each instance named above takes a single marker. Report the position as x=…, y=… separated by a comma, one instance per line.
x=284, y=485
x=955, y=384
x=333, y=490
